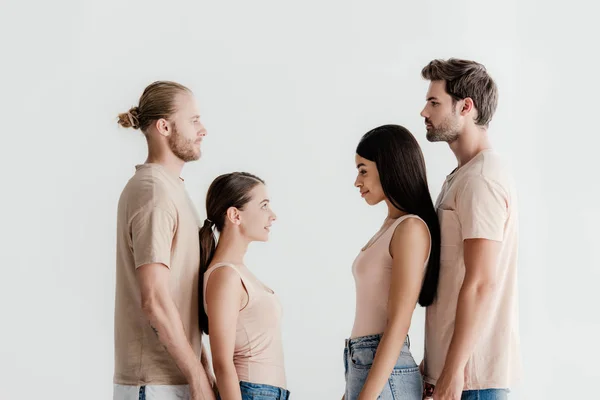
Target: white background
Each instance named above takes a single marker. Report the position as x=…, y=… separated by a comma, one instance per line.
x=286, y=90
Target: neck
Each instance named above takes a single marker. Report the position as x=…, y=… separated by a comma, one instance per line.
x=472, y=141
x=164, y=157
x=394, y=212
x=232, y=247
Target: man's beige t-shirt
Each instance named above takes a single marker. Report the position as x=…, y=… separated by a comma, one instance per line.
x=156, y=223
x=477, y=201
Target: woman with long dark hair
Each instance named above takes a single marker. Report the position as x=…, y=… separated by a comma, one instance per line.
x=398, y=268
x=243, y=314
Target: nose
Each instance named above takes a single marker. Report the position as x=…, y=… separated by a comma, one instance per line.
x=423, y=114
x=202, y=132
x=273, y=216
x=357, y=182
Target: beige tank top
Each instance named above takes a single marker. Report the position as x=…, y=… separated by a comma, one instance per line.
x=372, y=270
x=258, y=351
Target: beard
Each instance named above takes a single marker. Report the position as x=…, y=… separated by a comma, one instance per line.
x=447, y=131
x=183, y=148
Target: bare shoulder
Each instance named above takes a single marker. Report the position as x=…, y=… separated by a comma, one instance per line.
x=224, y=286
x=411, y=227
x=410, y=234
x=224, y=279
x=224, y=276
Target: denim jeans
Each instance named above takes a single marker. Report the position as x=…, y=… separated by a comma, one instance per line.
x=404, y=383
x=482, y=394
x=485, y=394
x=257, y=391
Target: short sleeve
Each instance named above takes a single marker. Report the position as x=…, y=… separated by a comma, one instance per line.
x=152, y=230
x=482, y=209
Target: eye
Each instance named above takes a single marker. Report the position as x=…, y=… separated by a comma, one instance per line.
x=362, y=172
x=265, y=206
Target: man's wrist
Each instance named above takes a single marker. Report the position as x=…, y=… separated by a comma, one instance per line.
x=453, y=367
x=193, y=375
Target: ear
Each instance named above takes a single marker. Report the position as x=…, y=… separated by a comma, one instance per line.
x=467, y=106
x=234, y=216
x=163, y=127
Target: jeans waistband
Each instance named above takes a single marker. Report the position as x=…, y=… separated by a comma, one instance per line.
x=370, y=341
x=280, y=393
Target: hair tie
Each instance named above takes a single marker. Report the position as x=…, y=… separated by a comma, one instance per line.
x=130, y=118
x=209, y=221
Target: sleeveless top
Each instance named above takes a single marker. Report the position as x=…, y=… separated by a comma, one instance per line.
x=372, y=270
x=258, y=351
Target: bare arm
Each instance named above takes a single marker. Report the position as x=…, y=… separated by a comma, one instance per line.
x=472, y=313
x=225, y=295
x=409, y=248
x=161, y=311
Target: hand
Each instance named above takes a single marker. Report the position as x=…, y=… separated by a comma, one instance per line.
x=449, y=386
x=428, y=390
x=196, y=392
x=422, y=368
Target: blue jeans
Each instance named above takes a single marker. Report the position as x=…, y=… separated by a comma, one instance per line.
x=485, y=394
x=482, y=394
x=404, y=383
x=252, y=391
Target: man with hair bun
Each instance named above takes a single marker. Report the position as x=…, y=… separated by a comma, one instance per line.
x=158, y=344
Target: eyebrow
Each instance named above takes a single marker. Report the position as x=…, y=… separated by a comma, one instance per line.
x=432, y=98
x=265, y=200
x=195, y=117
x=361, y=165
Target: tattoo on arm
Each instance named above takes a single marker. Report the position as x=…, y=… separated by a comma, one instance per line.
x=156, y=333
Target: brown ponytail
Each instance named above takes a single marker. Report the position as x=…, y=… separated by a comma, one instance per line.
x=208, y=245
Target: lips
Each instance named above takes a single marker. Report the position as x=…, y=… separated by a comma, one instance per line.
x=363, y=194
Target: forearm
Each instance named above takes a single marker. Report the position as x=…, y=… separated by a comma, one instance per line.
x=386, y=357
x=227, y=380
x=166, y=322
x=473, y=310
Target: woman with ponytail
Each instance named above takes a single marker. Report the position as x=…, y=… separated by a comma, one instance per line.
x=247, y=359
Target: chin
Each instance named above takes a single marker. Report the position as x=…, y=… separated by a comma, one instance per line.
x=372, y=202
x=263, y=237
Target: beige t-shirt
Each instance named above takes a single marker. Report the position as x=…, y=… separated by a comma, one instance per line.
x=156, y=223
x=477, y=201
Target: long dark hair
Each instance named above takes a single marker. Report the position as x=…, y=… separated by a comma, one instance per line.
x=403, y=177
x=228, y=190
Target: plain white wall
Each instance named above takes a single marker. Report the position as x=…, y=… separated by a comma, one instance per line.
x=286, y=90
